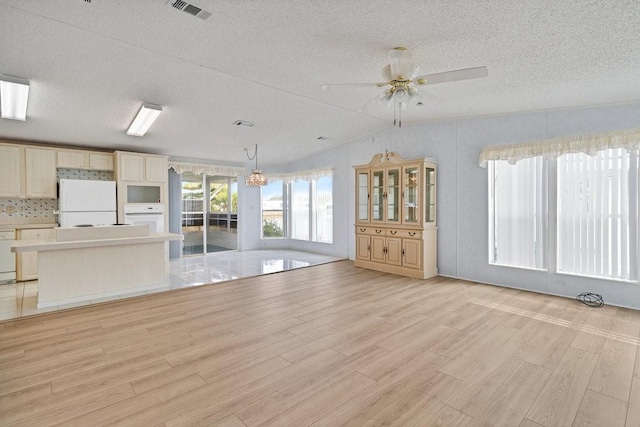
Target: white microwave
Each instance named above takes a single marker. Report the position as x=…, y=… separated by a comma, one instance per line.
x=144, y=194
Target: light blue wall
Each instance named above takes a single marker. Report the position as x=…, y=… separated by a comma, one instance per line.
x=462, y=192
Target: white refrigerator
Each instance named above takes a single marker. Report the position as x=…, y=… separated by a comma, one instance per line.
x=86, y=202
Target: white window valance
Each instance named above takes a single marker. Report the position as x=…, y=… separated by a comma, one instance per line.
x=305, y=175
x=201, y=168
x=554, y=148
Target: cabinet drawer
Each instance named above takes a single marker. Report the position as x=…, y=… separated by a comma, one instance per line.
x=405, y=234
x=37, y=233
x=372, y=231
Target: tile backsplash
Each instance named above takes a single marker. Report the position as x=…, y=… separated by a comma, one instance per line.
x=28, y=208
x=85, y=174
x=43, y=208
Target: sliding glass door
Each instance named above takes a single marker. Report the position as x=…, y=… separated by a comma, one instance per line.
x=222, y=230
x=209, y=213
x=192, y=214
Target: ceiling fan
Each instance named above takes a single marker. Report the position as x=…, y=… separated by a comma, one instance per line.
x=401, y=75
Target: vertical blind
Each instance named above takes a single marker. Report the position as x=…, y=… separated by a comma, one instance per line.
x=518, y=213
x=598, y=214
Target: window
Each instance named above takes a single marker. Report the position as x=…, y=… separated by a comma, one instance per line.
x=301, y=209
x=324, y=209
x=273, y=219
x=518, y=213
x=598, y=214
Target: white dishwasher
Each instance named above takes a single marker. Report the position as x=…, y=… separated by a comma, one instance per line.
x=7, y=258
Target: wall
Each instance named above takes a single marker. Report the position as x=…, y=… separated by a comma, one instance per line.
x=462, y=192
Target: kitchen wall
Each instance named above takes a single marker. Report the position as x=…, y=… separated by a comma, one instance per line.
x=42, y=209
x=462, y=192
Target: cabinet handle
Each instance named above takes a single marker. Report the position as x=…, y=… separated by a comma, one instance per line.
x=412, y=233
x=384, y=250
x=362, y=230
x=384, y=195
x=378, y=231
x=368, y=248
x=393, y=232
x=403, y=252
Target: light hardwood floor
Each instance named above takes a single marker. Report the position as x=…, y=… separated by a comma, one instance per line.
x=325, y=345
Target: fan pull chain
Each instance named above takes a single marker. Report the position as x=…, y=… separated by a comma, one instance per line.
x=397, y=114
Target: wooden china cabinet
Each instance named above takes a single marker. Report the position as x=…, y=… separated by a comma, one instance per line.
x=395, y=225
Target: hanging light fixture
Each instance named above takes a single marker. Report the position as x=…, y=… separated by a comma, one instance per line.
x=256, y=178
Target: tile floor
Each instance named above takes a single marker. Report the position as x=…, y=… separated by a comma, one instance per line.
x=20, y=299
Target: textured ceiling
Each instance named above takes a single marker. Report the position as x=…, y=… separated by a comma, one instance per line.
x=92, y=64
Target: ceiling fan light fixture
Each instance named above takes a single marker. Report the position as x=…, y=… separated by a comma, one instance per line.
x=400, y=96
x=400, y=62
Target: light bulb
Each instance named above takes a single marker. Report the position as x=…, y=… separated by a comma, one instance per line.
x=400, y=96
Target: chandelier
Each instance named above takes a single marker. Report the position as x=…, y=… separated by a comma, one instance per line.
x=256, y=179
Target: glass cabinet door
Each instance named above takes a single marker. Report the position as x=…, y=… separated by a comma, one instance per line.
x=363, y=196
x=393, y=194
x=430, y=195
x=377, y=191
x=410, y=195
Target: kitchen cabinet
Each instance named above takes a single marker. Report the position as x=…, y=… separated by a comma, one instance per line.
x=141, y=178
x=130, y=167
x=156, y=168
x=27, y=262
x=395, y=226
x=40, y=173
x=70, y=159
x=141, y=167
x=10, y=171
x=101, y=161
x=80, y=159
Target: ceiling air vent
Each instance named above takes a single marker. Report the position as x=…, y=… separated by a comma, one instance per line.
x=244, y=123
x=189, y=8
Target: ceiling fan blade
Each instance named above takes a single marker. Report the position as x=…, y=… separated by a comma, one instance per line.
x=452, y=76
x=374, y=104
x=330, y=85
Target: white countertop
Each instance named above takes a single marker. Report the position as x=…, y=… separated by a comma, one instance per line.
x=27, y=225
x=53, y=245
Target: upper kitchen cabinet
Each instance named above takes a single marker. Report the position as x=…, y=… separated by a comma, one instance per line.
x=80, y=159
x=10, y=171
x=40, y=173
x=27, y=172
x=141, y=167
x=156, y=168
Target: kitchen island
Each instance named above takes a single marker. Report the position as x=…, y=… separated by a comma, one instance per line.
x=100, y=262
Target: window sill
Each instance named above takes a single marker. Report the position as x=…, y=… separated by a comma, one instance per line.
x=544, y=270
x=611, y=279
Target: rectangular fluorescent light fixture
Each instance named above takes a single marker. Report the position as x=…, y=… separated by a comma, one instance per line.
x=14, y=93
x=145, y=118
